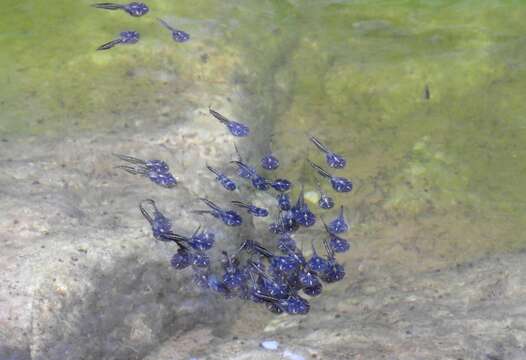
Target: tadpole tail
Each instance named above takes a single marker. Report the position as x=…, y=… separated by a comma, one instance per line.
x=325, y=226
x=165, y=24
x=130, y=159
x=267, y=298
x=196, y=231
x=301, y=197
x=328, y=249
x=109, y=44
x=313, y=247
x=178, y=239
x=238, y=154
x=149, y=217
x=319, y=144
x=319, y=169
x=218, y=116
x=206, y=212
x=108, y=6
x=210, y=204
x=318, y=185
x=227, y=258
x=250, y=245
x=253, y=266
x=240, y=204
x=129, y=169
x=139, y=170
x=212, y=170
x=242, y=166
x=341, y=212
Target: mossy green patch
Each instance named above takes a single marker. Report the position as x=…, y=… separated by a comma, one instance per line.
x=53, y=79
x=425, y=98
x=429, y=178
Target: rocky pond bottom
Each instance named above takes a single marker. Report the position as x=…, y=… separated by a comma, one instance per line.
x=82, y=277
x=469, y=311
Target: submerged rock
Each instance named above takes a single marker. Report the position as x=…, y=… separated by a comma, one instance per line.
x=470, y=311
x=82, y=276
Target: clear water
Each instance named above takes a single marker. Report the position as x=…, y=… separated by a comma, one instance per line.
x=439, y=176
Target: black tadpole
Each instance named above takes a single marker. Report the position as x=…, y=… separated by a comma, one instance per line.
x=427, y=93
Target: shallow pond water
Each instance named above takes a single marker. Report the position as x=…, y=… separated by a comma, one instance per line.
x=424, y=98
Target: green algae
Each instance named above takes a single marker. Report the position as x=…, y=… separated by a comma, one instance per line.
x=429, y=177
x=54, y=80
x=452, y=156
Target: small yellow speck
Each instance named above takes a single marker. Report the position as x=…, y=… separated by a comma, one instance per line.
x=312, y=197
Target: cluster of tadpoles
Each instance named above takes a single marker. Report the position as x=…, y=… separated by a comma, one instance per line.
x=254, y=272
x=136, y=9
